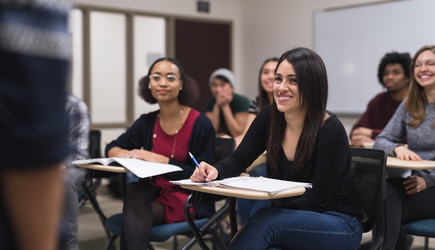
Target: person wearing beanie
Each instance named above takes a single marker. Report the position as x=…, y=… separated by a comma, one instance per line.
x=227, y=110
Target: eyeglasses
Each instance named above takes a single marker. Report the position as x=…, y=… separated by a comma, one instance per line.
x=430, y=62
x=156, y=79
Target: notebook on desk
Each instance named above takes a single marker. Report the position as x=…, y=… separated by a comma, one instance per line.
x=262, y=184
x=140, y=168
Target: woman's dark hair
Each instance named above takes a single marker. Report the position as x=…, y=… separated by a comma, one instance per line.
x=312, y=83
x=263, y=99
x=187, y=96
x=404, y=59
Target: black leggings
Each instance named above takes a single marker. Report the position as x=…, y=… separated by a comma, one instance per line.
x=403, y=209
x=141, y=212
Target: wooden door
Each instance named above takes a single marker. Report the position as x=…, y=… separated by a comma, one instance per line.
x=202, y=47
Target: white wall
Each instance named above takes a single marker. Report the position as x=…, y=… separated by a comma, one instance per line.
x=261, y=28
x=223, y=10
x=271, y=27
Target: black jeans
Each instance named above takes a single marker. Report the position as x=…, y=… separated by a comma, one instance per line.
x=403, y=209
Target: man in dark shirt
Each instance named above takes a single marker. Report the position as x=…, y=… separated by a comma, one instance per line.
x=393, y=74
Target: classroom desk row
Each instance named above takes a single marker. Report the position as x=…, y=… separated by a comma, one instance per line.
x=392, y=162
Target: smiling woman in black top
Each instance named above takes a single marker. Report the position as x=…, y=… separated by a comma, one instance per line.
x=304, y=143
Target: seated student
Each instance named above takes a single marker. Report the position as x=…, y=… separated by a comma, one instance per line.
x=79, y=125
x=164, y=136
x=410, y=195
x=246, y=207
x=226, y=109
x=393, y=74
x=304, y=143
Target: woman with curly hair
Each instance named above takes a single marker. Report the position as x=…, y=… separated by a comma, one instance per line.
x=165, y=136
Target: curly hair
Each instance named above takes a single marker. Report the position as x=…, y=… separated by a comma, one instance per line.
x=404, y=59
x=187, y=96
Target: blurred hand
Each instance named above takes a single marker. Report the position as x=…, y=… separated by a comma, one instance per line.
x=224, y=97
x=363, y=131
x=359, y=140
x=403, y=153
x=205, y=172
x=146, y=155
x=62, y=167
x=414, y=184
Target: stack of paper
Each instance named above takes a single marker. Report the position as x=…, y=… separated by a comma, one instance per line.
x=263, y=184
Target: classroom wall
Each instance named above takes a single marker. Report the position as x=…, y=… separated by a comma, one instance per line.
x=261, y=29
x=223, y=10
x=271, y=27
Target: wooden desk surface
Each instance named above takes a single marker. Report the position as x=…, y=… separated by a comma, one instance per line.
x=393, y=162
x=247, y=194
x=115, y=169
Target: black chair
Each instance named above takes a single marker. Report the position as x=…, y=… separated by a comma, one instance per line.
x=160, y=233
x=94, y=152
x=368, y=166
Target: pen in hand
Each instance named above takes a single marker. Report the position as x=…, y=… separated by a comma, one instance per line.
x=197, y=165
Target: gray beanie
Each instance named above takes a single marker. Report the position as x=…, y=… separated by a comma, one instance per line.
x=222, y=72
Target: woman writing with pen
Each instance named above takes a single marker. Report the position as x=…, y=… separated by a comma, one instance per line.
x=164, y=136
x=304, y=143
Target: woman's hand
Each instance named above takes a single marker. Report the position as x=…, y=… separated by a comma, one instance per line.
x=414, y=184
x=205, y=172
x=146, y=155
x=403, y=153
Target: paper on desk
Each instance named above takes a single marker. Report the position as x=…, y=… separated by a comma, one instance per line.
x=262, y=184
x=140, y=168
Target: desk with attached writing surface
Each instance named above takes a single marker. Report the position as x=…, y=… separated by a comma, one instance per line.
x=234, y=193
x=115, y=169
x=393, y=162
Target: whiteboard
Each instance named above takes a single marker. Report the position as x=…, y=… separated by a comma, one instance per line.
x=352, y=42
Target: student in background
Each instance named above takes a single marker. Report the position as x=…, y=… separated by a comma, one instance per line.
x=164, y=136
x=393, y=74
x=226, y=109
x=410, y=195
x=34, y=58
x=245, y=207
x=79, y=126
x=304, y=143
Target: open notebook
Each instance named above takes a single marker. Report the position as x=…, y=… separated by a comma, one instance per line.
x=262, y=184
x=138, y=167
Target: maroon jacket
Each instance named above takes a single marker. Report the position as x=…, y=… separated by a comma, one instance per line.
x=379, y=111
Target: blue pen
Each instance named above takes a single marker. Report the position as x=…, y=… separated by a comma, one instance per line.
x=196, y=163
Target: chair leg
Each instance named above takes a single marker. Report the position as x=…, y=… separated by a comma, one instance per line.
x=175, y=243
x=110, y=244
x=426, y=243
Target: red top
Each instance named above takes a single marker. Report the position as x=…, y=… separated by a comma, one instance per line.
x=379, y=112
x=172, y=196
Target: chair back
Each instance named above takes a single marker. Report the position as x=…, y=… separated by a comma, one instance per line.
x=95, y=144
x=223, y=147
x=368, y=166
